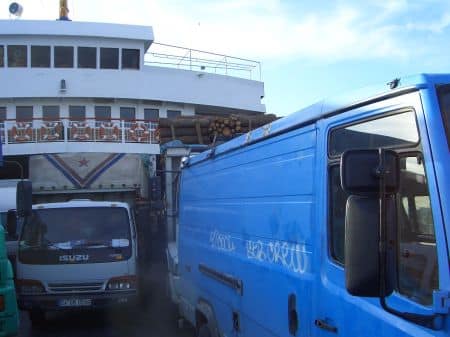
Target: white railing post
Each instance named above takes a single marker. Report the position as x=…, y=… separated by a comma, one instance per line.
x=122, y=124
x=94, y=131
x=7, y=127
x=260, y=72
x=35, y=130
x=6, y=132
x=65, y=124
x=226, y=66
x=151, y=132
x=155, y=127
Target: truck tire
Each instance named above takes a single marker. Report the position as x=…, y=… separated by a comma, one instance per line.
x=204, y=331
x=37, y=317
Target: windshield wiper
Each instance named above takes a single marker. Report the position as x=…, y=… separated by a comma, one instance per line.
x=46, y=244
x=102, y=244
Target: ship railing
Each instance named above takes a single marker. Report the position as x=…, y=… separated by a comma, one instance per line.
x=87, y=130
x=166, y=55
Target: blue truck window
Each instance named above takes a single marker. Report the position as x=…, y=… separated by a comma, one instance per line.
x=444, y=103
x=338, y=199
x=417, y=268
x=397, y=130
x=417, y=255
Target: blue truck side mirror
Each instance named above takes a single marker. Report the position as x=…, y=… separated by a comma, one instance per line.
x=361, y=249
x=362, y=173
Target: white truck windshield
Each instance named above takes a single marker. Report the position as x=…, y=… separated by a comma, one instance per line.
x=68, y=228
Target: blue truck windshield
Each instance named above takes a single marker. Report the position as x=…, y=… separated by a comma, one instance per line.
x=444, y=102
x=68, y=228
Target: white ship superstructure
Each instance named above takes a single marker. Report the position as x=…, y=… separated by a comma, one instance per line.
x=94, y=87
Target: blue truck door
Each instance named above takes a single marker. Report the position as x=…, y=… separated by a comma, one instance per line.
x=391, y=123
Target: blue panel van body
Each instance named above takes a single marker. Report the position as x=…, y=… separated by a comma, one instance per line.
x=261, y=235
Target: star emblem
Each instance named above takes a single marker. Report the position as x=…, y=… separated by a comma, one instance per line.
x=83, y=162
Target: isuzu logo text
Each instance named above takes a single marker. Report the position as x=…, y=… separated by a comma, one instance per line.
x=74, y=258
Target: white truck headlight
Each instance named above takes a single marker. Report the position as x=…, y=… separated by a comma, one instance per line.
x=122, y=283
x=30, y=287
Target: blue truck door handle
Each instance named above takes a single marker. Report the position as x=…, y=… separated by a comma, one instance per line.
x=325, y=325
x=292, y=314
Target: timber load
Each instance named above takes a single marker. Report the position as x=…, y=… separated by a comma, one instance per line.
x=209, y=129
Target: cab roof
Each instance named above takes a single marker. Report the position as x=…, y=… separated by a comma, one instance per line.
x=327, y=107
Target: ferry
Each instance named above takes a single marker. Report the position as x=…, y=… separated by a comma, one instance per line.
x=84, y=91
x=74, y=87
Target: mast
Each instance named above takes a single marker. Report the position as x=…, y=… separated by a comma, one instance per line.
x=63, y=10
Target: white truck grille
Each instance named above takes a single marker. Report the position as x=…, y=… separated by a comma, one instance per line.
x=75, y=287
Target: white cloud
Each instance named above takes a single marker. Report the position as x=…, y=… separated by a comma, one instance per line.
x=437, y=26
x=263, y=30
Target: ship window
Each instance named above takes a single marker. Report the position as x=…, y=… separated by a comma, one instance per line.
x=102, y=113
x=50, y=112
x=109, y=58
x=40, y=56
x=2, y=56
x=127, y=114
x=87, y=57
x=151, y=114
x=77, y=112
x=2, y=113
x=24, y=113
x=63, y=57
x=130, y=58
x=17, y=56
x=173, y=113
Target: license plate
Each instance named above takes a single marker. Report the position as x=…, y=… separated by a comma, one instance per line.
x=75, y=302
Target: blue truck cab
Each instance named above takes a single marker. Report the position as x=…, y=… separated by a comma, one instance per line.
x=265, y=234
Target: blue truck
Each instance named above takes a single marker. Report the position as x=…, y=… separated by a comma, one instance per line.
x=333, y=221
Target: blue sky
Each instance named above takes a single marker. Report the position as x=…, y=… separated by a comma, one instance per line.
x=309, y=50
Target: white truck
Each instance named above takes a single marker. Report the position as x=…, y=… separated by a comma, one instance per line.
x=79, y=254
x=99, y=176
x=79, y=249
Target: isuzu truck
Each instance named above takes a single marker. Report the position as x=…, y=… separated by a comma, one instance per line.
x=333, y=221
x=75, y=255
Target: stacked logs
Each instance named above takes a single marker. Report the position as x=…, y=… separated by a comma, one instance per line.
x=233, y=125
x=209, y=129
x=188, y=130
x=226, y=127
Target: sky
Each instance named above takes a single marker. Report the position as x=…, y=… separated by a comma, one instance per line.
x=309, y=50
